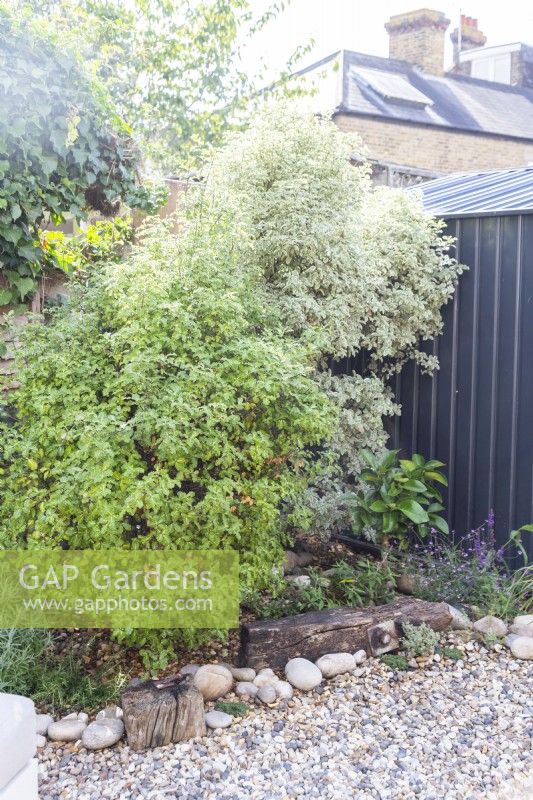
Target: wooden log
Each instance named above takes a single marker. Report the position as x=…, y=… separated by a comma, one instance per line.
x=165, y=712
x=313, y=634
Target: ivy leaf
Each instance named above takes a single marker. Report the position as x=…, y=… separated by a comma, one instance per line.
x=16, y=211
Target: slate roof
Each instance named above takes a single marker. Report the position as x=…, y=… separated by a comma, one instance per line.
x=371, y=85
x=499, y=191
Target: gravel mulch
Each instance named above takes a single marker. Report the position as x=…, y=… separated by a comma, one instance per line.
x=450, y=731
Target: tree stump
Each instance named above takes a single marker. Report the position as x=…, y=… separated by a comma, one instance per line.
x=163, y=712
x=376, y=630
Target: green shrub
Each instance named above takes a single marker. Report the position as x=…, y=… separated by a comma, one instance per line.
x=160, y=409
x=418, y=640
x=365, y=269
x=400, y=498
x=368, y=582
x=234, y=709
x=396, y=662
x=451, y=652
x=30, y=666
x=20, y=652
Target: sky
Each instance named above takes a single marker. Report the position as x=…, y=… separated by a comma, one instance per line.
x=354, y=25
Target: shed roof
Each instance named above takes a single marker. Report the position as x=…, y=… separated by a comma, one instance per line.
x=468, y=194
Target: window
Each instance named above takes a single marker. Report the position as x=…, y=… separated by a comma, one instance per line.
x=492, y=68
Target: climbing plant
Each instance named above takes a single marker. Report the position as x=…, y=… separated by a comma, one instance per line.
x=62, y=150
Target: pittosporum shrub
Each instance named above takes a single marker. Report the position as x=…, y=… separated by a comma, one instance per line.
x=161, y=408
x=363, y=271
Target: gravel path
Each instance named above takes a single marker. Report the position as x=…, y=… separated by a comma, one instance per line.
x=450, y=731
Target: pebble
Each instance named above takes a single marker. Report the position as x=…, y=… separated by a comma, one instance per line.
x=103, y=732
x=267, y=694
x=333, y=664
x=213, y=680
x=520, y=646
x=360, y=656
x=494, y=626
x=243, y=674
x=284, y=690
x=68, y=729
x=460, y=621
x=218, y=719
x=246, y=689
x=303, y=674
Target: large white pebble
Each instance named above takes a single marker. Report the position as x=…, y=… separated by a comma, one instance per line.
x=284, y=690
x=66, y=730
x=213, y=680
x=360, y=656
x=494, y=626
x=335, y=664
x=460, y=621
x=102, y=733
x=246, y=689
x=521, y=646
x=267, y=694
x=523, y=619
x=244, y=674
x=303, y=674
x=218, y=719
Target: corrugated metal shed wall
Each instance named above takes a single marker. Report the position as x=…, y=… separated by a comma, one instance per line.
x=476, y=412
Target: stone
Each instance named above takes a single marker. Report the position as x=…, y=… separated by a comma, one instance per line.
x=520, y=646
x=359, y=656
x=41, y=741
x=66, y=730
x=42, y=723
x=189, y=669
x=246, y=689
x=102, y=733
x=267, y=694
x=245, y=674
x=303, y=674
x=521, y=630
x=213, y=680
x=264, y=677
x=294, y=560
x=83, y=717
x=460, y=621
x=523, y=619
x=493, y=626
x=283, y=690
x=335, y=664
x=405, y=583
x=299, y=580
x=218, y=719
x=110, y=712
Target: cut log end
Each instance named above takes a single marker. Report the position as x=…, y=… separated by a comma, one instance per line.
x=157, y=714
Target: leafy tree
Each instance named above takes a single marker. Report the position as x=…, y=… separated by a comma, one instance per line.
x=172, y=67
x=62, y=148
x=161, y=408
x=364, y=272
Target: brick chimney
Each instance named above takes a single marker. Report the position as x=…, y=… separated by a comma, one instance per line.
x=418, y=37
x=467, y=37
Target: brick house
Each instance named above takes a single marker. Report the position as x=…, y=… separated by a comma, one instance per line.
x=420, y=122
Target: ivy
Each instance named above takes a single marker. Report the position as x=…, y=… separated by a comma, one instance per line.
x=62, y=150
